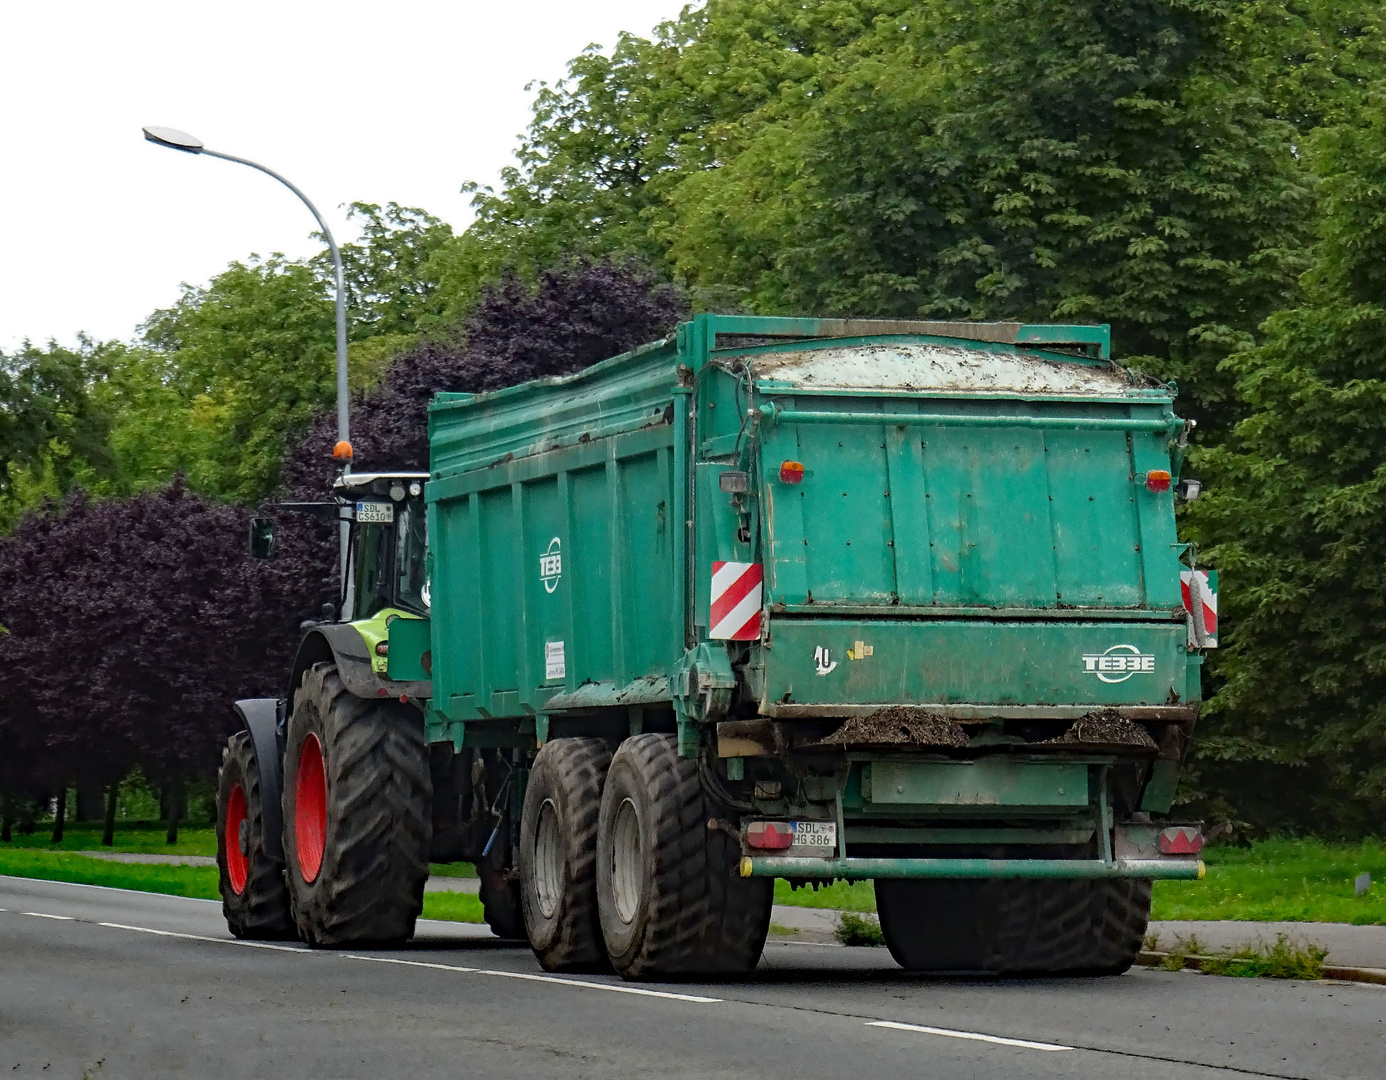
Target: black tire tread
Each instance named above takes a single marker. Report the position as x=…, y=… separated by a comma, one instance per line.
x=704, y=917
x=261, y=911
x=578, y=767
x=379, y=791
x=1015, y=926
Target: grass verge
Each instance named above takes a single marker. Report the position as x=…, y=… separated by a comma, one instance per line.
x=139, y=839
x=837, y=895
x=198, y=881
x=1281, y=880
x=195, y=881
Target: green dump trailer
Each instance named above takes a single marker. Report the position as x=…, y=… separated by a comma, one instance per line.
x=808, y=599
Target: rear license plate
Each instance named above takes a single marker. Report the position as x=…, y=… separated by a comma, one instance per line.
x=814, y=838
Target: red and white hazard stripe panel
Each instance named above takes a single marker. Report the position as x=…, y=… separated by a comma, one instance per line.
x=736, y=600
x=1208, y=595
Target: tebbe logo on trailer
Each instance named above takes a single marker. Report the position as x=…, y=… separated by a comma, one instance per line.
x=1118, y=663
x=551, y=565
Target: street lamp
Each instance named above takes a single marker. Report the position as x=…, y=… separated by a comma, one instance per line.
x=191, y=144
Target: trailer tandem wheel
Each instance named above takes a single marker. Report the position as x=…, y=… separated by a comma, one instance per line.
x=669, y=894
x=253, y=896
x=357, y=795
x=558, y=854
x=1014, y=926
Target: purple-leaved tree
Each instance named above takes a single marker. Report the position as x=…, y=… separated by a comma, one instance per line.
x=131, y=626
x=574, y=316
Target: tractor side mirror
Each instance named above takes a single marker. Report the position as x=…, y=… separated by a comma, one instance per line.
x=264, y=544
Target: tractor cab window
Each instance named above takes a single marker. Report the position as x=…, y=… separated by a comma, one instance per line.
x=411, y=558
x=370, y=566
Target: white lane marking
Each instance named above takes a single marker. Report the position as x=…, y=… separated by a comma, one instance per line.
x=44, y=915
x=975, y=1036
x=615, y=988
x=204, y=937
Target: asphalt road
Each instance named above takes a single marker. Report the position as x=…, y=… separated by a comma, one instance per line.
x=103, y=982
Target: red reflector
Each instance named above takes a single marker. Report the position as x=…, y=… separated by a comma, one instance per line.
x=791, y=472
x=1184, y=840
x=382, y=648
x=769, y=835
x=1157, y=479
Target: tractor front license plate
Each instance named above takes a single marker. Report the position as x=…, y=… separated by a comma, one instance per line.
x=375, y=513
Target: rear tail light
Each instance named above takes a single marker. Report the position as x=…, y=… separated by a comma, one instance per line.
x=769, y=835
x=791, y=472
x=1181, y=840
x=1157, y=480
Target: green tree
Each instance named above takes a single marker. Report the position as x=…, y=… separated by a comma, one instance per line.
x=1132, y=162
x=255, y=348
x=1074, y=161
x=53, y=423
x=1295, y=520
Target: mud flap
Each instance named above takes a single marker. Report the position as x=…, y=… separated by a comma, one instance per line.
x=260, y=717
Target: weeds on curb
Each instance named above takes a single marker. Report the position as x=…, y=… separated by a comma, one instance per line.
x=855, y=929
x=1183, y=947
x=1283, y=960
x=1286, y=959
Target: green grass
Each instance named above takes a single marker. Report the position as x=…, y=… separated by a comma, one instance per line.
x=142, y=839
x=453, y=906
x=452, y=869
x=199, y=881
x=839, y=896
x=1281, y=880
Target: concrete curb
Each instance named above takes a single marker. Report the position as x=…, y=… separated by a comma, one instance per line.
x=1330, y=971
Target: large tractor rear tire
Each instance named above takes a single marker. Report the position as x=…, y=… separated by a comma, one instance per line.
x=1015, y=926
x=669, y=893
x=254, y=898
x=558, y=854
x=357, y=796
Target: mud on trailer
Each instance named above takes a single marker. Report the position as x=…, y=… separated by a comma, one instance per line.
x=774, y=598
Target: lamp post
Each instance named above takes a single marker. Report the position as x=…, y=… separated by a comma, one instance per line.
x=190, y=144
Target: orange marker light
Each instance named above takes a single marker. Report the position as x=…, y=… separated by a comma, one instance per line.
x=1157, y=480
x=342, y=451
x=791, y=472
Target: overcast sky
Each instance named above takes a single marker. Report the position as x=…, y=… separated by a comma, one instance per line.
x=350, y=100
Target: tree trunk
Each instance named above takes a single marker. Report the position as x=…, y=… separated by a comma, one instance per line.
x=6, y=815
x=112, y=796
x=175, y=811
x=60, y=815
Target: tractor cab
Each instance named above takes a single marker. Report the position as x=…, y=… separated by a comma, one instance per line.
x=387, y=564
x=387, y=543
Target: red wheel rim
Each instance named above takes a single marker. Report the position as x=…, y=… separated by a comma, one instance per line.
x=237, y=865
x=310, y=808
